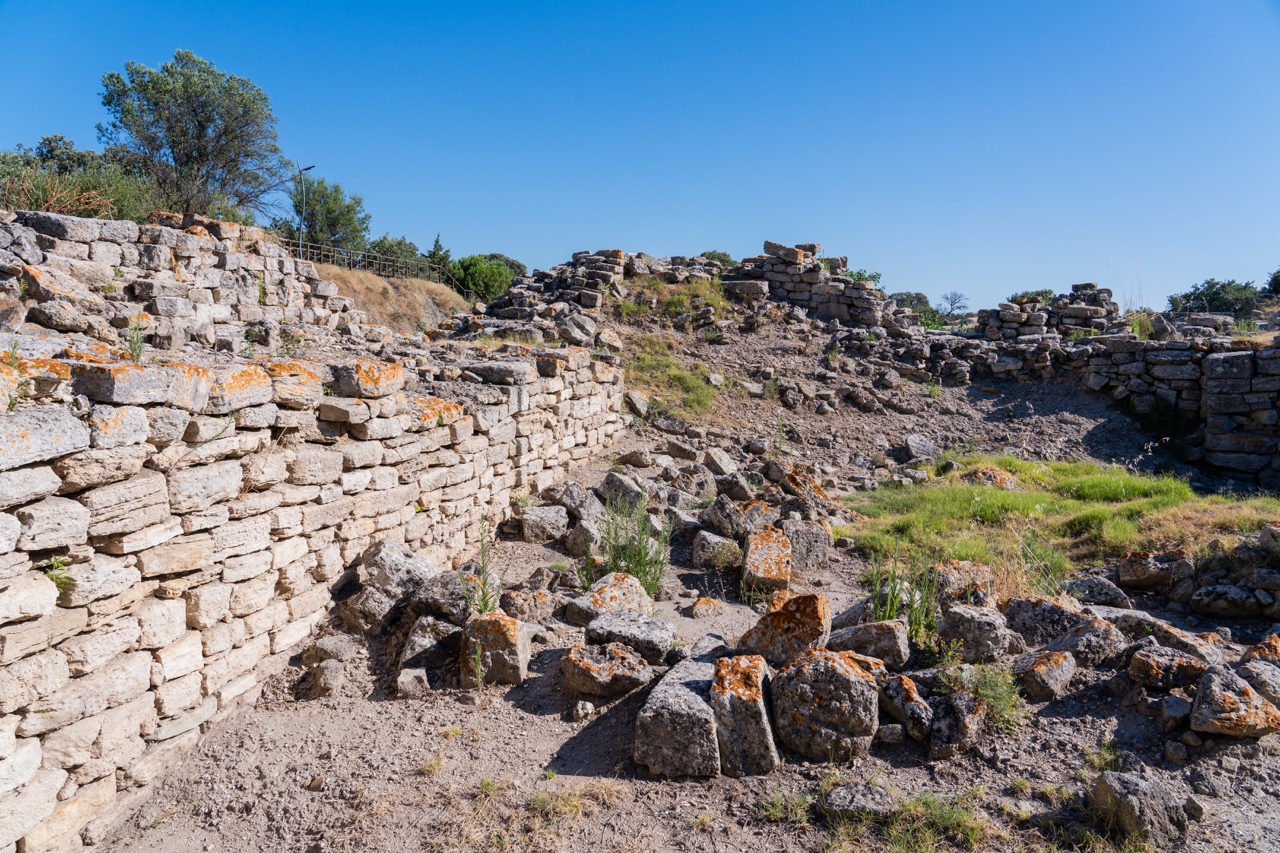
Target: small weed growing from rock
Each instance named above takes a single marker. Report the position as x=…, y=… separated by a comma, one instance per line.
x=629, y=543
x=1105, y=757
x=994, y=685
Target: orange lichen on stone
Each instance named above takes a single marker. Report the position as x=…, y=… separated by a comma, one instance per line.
x=767, y=564
x=47, y=369
x=1267, y=650
x=779, y=598
x=741, y=676
x=432, y=411
x=298, y=369
x=1048, y=660
x=165, y=219
x=803, y=485
x=378, y=378
x=994, y=477
x=494, y=630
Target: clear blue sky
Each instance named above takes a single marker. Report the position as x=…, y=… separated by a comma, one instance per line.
x=984, y=147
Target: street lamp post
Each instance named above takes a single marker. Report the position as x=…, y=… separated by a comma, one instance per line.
x=302, y=179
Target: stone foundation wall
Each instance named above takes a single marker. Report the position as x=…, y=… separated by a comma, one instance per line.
x=171, y=535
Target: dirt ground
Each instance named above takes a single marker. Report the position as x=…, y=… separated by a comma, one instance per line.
x=513, y=770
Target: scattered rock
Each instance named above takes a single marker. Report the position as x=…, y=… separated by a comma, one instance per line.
x=980, y=631
x=858, y=802
x=825, y=706
x=900, y=699
x=1044, y=676
x=615, y=591
x=1040, y=620
x=608, y=670
x=801, y=622
x=742, y=717
x=886, y=640
x=958, y=721
x=649, y=637
x=543, y=523
x=1090, y=642
x=1138, y=804
x=1165, y=668
x=1226, y=705
x=502, y=645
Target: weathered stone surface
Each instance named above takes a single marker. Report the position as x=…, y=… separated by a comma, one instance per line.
x=1165, y=668
x=1226, y=705
x=1226, y=601
x=22, y=811
x=767, y=562
x=825, y=706
x=1266, y=650
x=20, y=766
x=25, y=485
x=1097, y=590
x=129, y=505
x=52, y=523
x=125, y=678
x=604, y=670
x=901, y=700
x=87, y=652
x=649, y=637
x=614, y=591
x=810, y=543
x=801, y=622
x=1141, y=805
x=24, y=681
x=100, y=577
x=314, y=465
x=544, y=523
x=29, y=597
x=237, y=386
x=980, y=631
x=1145, y=570
x=62, y=827
x=395, y=570
x=676, y=729
x=1090, y=642
x=91, y=468
x=529, y=605
x=617, y=488
x=111, y=426
x=712, y=552
x=958, y=721
x=503, y=645
x=368, y=378
x=1264, y=677
x=741, y=709
x=886, y=640
x=431, y=642
x=858, y=802
x=1040, y=620
x=193, y=489
x=1044, y=676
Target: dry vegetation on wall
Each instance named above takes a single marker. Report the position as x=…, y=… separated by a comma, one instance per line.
x=400, y=303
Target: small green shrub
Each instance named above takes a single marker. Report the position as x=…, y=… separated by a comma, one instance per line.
x=482, y=589
x=995, y=686
x=487, y=279
x=1106, y=756
x=785, y=808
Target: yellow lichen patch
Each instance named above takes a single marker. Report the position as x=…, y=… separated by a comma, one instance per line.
x=741, y=676
x=378, y=378
x=987, y=476
x=46, y=369
x=767, y=564
x=1267, y=650
x=494, y=630
x=432, y=411
x=1048, y=660
x=292, y=369
x=779, y=598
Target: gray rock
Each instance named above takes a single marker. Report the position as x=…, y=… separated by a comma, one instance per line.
x=1040, y=620
x=581, y=504
x=810, y=544
x=1138, y=804
x=1044, y=676
x=623, y=490
x=338, y=647
x=582, y=538
x=1227, y=705
x=365, y=611
x=649, y=637
x=412, y=684
x=714, y=552
x=886, y=640
x=719, y=462
x=577, y=330
x=431, y=642
x=800, y=623
x=543, y=523
x=981, y=632
x=1225, y=601
x=615, y=591
x=1090, y=643
x=25, y=485
x=611, y=669
x=327, y=678
x=901, y=700
x=825, y=706
x=503, y=646
x=395, y=570
x=958, y=722
x=859, y=801
x=1264, y=677
x=637, y=403
x=920, y=448
x=742, y=717
x=676, y=728
x=446, y=596
x=34, y=435
x=530, y=605
x=726, y=519
x=1097, y=590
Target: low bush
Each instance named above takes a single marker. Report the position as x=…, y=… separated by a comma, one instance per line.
x=629, y=543
x=487, y=279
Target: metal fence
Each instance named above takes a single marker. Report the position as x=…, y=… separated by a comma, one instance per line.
x=381, y=265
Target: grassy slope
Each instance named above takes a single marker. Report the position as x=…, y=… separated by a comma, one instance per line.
x=400, y=303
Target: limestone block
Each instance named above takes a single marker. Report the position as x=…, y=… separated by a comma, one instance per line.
x=235, y=662
x=22, y=810
x=25, y=638
x=140, y=540
x=161, y=757
x=174, y=697
x=295, y=384
x=207, y=604
x=31, y=596
x=365, y=378
x=71, y=746
x=101, y=577
x=25, y=485
x=314, y=465
x=90, y=468
x=242, y=537
x=8, y=734
x=21, y=765
x=125, y=678
x=182, y=656
x=52, y=523
x=88, y=652
x=183, y=554
x=264, y=470
x=127, y=506
x=238, y=386
x=110, y=426
x=123, y=384
x=25, y=681
x=193, y=489
x=70, y=816
x=160, y=622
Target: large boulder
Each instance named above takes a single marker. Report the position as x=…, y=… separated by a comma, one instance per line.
x=767, y=564
x=887, y=640
x=1136, y=624
x=1165, y=668
x=676, y=728
x=715, y=553
x=1225, y=601
x=396, y=571
x=1264, y=677
x=500, y=644
x=981, y=633
x=801, y=622
x=652, y=639
x=615, y=591
x=1044, y=676
x=1090, y=642
x=742, y=716
x=1138, y=804
x=1226, y=705
x=810, y=544
x=608, y=670
x=825, y=706
x=581, y=504
x=543, y=523
x=1040, y=620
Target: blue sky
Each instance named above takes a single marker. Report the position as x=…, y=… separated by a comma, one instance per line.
x=984, y=147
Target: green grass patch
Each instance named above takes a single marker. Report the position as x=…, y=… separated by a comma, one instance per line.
x=674, y=388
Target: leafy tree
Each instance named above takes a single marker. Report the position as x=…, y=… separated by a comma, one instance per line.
x=1044, y=295
x=912, y=301
x=863, y=275
x=208, y=139
x=401, y=248
x=1273, y=283
x=439, y=255
x=487, y=279
x=328, y=214
x=723, y=258
x=954, y=302
x=1218, y=297
x=515, y=266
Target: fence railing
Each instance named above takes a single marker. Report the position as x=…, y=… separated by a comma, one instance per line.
x=381, y=265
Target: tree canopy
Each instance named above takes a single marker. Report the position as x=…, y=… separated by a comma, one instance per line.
x=401, y=248
x=723, y=258
x=439, y=256
x=487, y=279
x=208, y=139
x=511, y=263
x=1217, y=297
x=329, y=215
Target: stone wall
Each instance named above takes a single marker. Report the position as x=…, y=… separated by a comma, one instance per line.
x=1086, y=310
x=172, y=532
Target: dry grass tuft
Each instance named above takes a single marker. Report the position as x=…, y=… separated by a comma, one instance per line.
x=399, y=303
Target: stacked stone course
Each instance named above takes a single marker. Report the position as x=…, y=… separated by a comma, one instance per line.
x=170, y=531
x=1088, y=310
